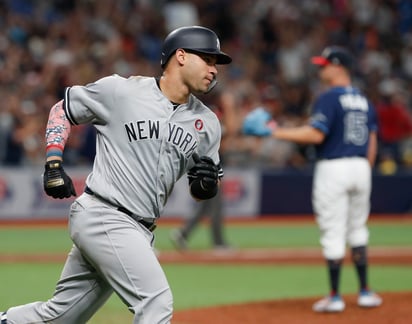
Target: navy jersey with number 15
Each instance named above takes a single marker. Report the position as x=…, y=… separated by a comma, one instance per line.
x=346, y=117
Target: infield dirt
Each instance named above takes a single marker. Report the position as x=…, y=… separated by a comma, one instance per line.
x=396, y=307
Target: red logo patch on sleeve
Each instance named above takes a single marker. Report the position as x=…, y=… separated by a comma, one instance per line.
x=199, y=124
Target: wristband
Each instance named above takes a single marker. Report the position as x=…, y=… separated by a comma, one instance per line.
x=54, y=150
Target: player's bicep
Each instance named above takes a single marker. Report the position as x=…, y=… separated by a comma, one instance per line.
x=76, y=109
x=90, y=103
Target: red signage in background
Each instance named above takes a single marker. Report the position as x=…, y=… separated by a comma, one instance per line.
x=4, y=190
x=233, y=189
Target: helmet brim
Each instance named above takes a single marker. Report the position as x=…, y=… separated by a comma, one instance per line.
x=221, y=57
x=319, y=61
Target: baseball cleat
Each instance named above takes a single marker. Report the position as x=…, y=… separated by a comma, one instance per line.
x=329, y=304
x=223, y=249
x=178, y=240
x=368, y=298
x=3, y=318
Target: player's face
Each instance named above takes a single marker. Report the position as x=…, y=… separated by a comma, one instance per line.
x=200, y=71
x=333, y=75
x=326, y=73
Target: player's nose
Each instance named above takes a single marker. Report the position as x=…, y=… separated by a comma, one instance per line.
x=213, y=69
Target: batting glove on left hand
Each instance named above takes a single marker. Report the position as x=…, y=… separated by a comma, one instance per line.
x=258, y=123
x=205, y=170
x=56, y=182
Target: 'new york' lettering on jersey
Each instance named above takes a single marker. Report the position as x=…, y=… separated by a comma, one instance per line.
x=134, y=120
x=351, y=116
x=149, y=129
x=144, y=129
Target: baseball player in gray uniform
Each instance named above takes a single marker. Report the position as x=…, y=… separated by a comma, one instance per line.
x=150, y=132
x=343, y=128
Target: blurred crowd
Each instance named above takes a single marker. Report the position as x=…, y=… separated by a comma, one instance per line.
x=47, y=45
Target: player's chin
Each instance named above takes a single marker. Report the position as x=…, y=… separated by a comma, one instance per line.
x=206, y=84
x=202, y=89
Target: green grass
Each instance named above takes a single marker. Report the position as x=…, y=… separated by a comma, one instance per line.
x=235, y=284
x=218, y=284
x=34, y=240
x=206, y=285
x=38, y=240
x=22, y=283
x=282, y=236
x=391, y=234
x=253, y=236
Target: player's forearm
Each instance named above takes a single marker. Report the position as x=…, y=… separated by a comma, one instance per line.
x=57, y=132
x=302, y=135
x=372, y=148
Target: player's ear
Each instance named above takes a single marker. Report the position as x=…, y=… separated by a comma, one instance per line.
x=180, y=55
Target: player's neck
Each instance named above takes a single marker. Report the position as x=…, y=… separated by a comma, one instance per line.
x=340, y=82
x=172, y=91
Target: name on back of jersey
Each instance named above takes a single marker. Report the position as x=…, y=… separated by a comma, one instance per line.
x=352, y=101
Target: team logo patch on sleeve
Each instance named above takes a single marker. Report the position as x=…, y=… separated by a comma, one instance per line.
x=199, y=124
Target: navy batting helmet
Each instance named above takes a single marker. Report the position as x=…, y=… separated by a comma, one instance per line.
x=196, y=39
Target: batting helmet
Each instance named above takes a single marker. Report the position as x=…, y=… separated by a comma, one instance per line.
x=194, y=38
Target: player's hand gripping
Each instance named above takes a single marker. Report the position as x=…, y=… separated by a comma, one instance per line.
x=258, y=123
x=56, y=182
x=205, y=170
x=203, y=177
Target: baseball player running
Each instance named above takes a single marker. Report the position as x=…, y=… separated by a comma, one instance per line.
x=343, y=128
x=150, y=132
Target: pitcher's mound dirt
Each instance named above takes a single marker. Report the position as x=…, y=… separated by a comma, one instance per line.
x=396, y=309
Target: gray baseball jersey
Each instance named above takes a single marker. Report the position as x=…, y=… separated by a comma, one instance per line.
x=144, y=144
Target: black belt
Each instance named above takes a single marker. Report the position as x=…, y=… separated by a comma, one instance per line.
x=151, y=226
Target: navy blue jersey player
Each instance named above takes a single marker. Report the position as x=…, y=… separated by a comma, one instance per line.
x=346, y=118
x=343, y=128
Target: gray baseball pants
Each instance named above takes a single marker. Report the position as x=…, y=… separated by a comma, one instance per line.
x=111, y=252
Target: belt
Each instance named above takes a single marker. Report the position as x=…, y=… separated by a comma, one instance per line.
x=151, y=226
x=343, y=157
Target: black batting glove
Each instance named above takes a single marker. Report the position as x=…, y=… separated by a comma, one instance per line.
x=56, y=182
x=203, y=177
x=206, y=171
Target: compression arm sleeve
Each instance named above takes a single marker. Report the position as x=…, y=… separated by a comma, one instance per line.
x=57, y=130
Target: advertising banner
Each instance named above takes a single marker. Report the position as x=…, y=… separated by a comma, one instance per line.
x=241, y=195
x=22, y=195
